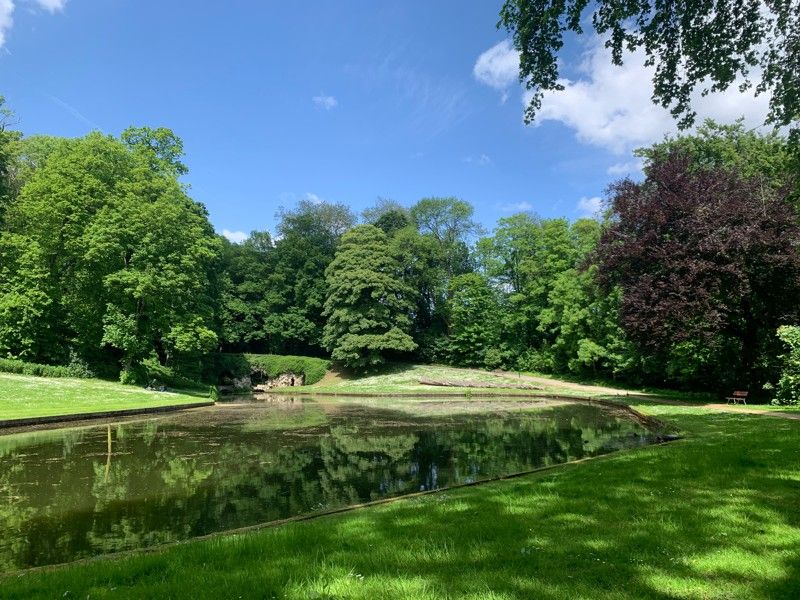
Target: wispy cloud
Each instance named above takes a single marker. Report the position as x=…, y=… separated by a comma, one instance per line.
x=429, y=103
x=7, y=14
x=517, y=207
x=237, y=237
x=312, y=197
x=590, y=207
x=481, y=160
x=325, y=102
x=6, y=19
x=631, y=167
x=75, y=112
x=52, y=6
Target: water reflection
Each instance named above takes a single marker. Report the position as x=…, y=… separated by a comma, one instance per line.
x=72, y=493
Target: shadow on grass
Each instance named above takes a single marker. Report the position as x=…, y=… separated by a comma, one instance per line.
x=712, y=516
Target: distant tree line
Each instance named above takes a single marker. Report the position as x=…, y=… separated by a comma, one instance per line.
x=106, y=262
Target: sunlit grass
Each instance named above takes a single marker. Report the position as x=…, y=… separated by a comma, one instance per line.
x=24, y=396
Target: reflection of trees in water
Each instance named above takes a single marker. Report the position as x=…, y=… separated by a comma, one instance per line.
x=164, y=482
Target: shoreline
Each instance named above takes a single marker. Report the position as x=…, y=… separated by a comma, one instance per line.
x=125, y=412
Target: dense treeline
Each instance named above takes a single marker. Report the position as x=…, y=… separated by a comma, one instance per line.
x=107, y=264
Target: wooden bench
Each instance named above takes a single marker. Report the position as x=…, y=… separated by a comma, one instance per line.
x=737, y=396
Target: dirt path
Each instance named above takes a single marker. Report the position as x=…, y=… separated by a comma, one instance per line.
x=752, y=411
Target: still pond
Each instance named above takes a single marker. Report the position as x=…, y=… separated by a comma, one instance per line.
x=78, y=492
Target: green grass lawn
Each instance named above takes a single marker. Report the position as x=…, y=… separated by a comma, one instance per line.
x=714, y=515
x=25, y=396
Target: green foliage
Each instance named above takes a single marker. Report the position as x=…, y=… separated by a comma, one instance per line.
x=271, y=365
x=273, y=292
x=22, y=367
x=25, y=299
x=788, y=389
x=388, y=215
x=230, y=365
x=712, y=45
x=474, y=335
x=8, y=154
x=161, y=148
x=119, y=259
x=552, y=315
x=368, y=305
x=751, y=154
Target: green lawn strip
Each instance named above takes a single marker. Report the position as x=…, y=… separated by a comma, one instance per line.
x=23, y=396
x=713, y=515
x=775, y=407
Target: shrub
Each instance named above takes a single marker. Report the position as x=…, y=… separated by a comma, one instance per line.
x=270, y=365
x=153, y=372
x=789, y=382
x=9, y=365
x=78, y=367
x=130, y=376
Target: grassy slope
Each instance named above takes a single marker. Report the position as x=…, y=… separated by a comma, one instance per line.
x=404, y=379
x=711, y=516
x=24, y=396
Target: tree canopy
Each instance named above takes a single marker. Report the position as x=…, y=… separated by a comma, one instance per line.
x=368, y=306
x=709, y=266
x=705, y=44
x=117, y=254
x=690, y=278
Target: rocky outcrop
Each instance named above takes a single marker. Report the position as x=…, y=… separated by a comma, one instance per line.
x=282, y=380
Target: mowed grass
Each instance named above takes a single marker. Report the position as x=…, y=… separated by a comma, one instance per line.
x=24, y=396
x=714, y=515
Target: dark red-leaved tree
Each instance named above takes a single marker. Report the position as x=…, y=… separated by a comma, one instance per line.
x=709, y=265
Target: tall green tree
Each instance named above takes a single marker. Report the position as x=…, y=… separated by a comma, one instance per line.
x=474, y=335
x=130, y=258
x=8, y=154
x=244, y=305
x=388, y=215
x=528, y=258
x=308, y=236
x=368, y=306
x=25, y=300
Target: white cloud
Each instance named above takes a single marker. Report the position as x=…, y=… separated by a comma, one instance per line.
x=237, y=237
x=482, y=160
x=6, y=19
x=498, y=67
x=7, y=13
x=610, y=106
x=325, y=102
x=631, y=167
x=311, y=197
x=517, y=207
x=52, y=6
x=589, y=207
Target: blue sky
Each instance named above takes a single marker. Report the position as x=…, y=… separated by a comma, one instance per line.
x=345, y=101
